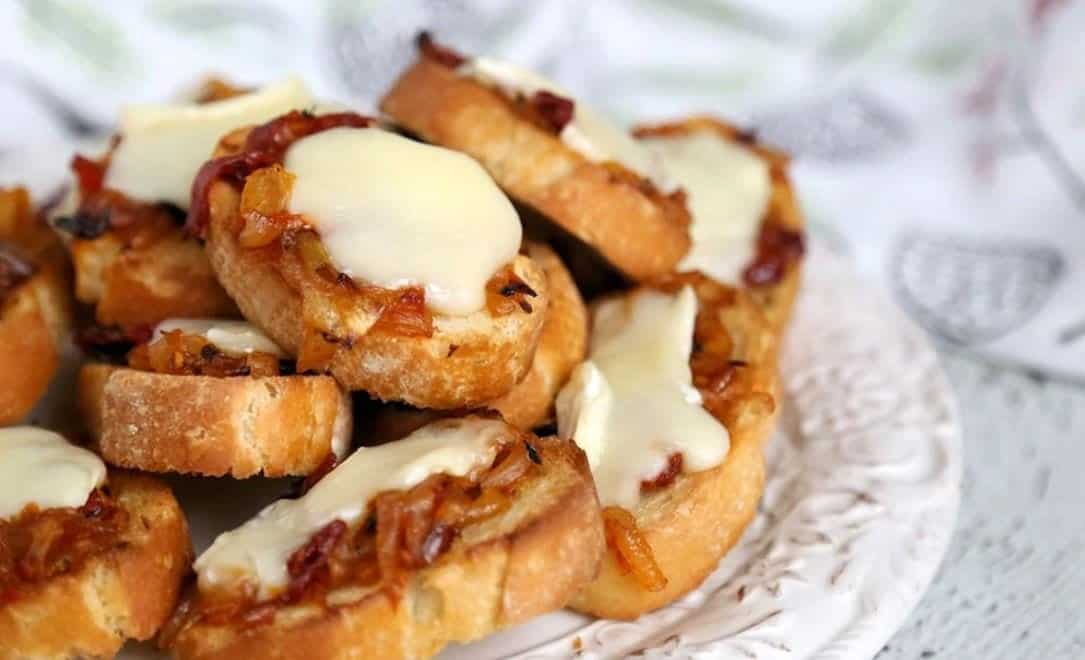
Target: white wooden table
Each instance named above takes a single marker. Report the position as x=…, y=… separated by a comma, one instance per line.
x=1013, y=582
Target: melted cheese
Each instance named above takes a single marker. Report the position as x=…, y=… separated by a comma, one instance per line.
x=589, y=133
x=238, y=338
x=163, y=146
x=257, y=551
x=41, y=467
x=394, y=212
x=728, y=188
x=632, y=404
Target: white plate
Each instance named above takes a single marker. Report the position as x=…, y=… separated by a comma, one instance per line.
x=863, y=487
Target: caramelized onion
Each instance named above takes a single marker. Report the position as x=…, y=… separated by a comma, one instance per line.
x=178, y=353
x=509, y=467
x=631, y=549
x=404, y=313
x=307, y=562
x=506, y=292
x=556, y=111
x=264, y=201
x=431, y=50
x=89, y=174
x=37, y=544
x=217, y=89
x=777, y=248
x=667, y=475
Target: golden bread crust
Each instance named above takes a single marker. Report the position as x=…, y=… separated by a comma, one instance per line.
x=36, y=317
x=237, y=426
x=125, y=593
x=501, y=572
x=642, y=234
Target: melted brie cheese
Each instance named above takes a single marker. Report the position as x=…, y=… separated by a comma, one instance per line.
x=394, y=212
x=41, y=467
x=238, y=338
x=728, y=188
x=589, y=133
x=257, y=552
x=632, y=404
x=163, y=146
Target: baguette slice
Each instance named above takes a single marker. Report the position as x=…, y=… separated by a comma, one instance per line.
x=467, y=361
x=36, y=316
x=147, y=275
x=776, y=298
x=237, y=426
x=694, y=521
x=127, y=592
x=524, y=562
x=641, y=231
x=562, y=345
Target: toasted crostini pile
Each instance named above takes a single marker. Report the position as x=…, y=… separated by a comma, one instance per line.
x=516, y=357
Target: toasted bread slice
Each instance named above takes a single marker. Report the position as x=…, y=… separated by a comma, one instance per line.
x=237, y=426
x=35, y=315
x=694, y=521
x=134, y=264
x=562, y=345
x=465, y=362
x=124, y=592
x=776, y=296
x=135, y=281
x=641, y=231
x=528, y=560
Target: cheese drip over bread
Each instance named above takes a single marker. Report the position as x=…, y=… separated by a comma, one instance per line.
x=728, y=189
x=237, y=338
x=257, y=552
x=394, y=212
x=163, y=145
x=589, y=133
x=632, y=404
x=42, y=468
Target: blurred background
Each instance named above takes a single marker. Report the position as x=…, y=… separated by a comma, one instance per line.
x=937, y=142
x=940, y=144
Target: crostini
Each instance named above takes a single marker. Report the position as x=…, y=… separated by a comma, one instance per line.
x=548, y=151
x=210, y=397
x=671, y=407
x=530, y=403
x=35, y=305
x=123, y=219
x=88, y=558
x=747, y=227
x=462, y=528
x=387, y=262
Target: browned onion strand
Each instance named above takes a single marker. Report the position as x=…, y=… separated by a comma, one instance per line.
x=431, y=50
x=632, y=550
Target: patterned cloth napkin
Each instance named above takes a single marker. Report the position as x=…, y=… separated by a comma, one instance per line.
x=940, y=143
